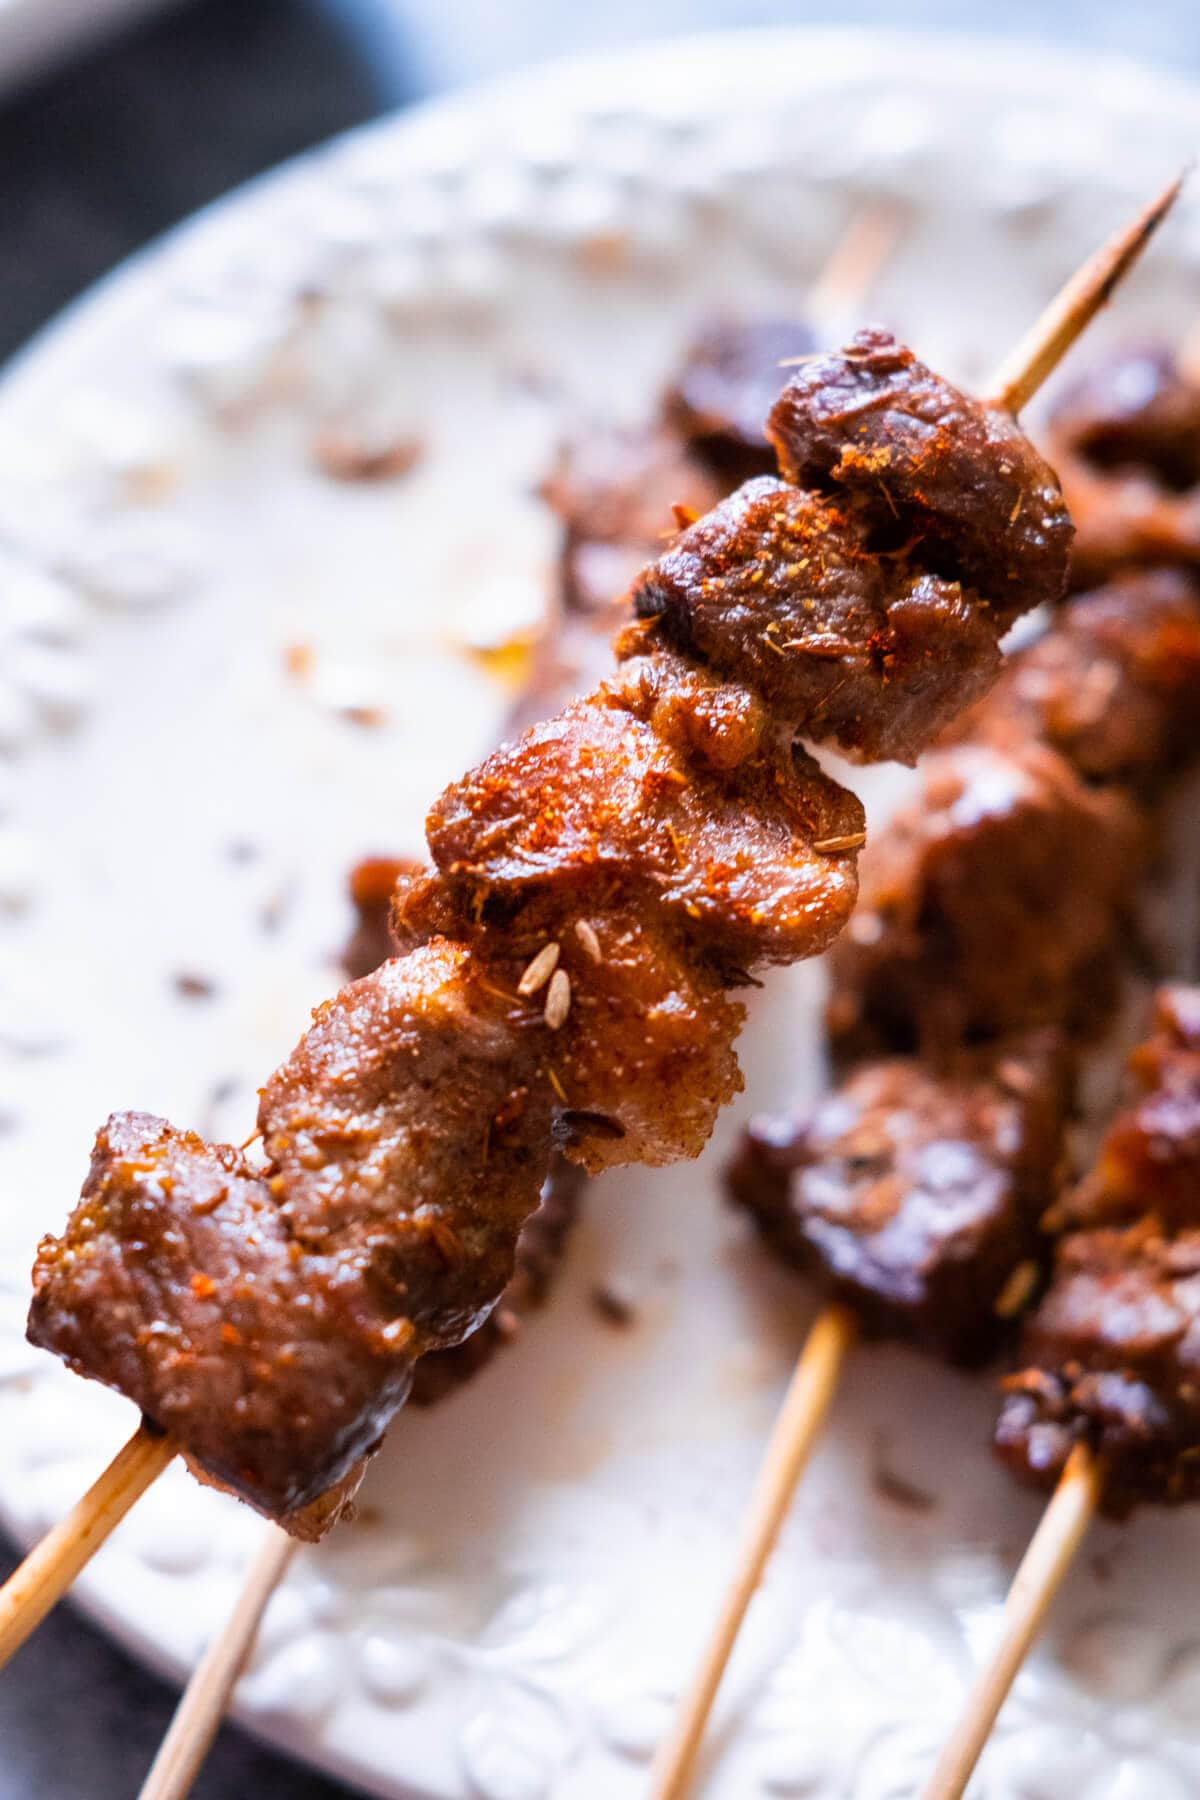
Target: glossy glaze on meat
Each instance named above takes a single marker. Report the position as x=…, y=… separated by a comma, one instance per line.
x=1111, y=1356
x=1000, y=899
x=1111, y=685
x=913, y=1191
x=597, y=887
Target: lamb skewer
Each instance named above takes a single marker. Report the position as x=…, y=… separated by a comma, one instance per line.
x=727, y=383
x=855, y=1193
x=796, y=1429
x=914, y=1191
x=456, y=1003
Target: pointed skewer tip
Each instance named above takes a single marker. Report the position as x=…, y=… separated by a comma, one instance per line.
x=1077, y=303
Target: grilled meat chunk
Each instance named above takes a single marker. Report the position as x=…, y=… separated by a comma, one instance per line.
x=996, y=902
x=913, y=458
x=1111, y=1356
x=780, y=585
x=599, y=793
x=1112, y=685
x=914, y=1191
x=270, y=1320
x=543, y=1239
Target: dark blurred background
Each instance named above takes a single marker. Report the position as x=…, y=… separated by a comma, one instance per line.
x=100, y=150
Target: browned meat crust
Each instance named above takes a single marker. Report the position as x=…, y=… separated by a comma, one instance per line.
x=597, y=887
x=999, y=900
x=1112, y=1354
x=270, y=1320
x=1126, y=443
x=780, y=585
x=915, y=459
x=1114, y=685
x=914, y=1191
x=543, y=1238
x=720, y=830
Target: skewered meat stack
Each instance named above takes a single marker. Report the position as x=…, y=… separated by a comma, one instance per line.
x=994, y=923
x=576, y=642
x=598, y=888
x=616, y=493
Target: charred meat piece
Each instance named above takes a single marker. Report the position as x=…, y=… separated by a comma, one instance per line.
x=270, y=1319
x=756, y=855
x=999, y=900
x=781, y=586
x=178, y=1282
x=913, y=1192
x=646, y=1059
x=1126, y=442
x=642, y=1057
x=731, y=377
x=1113, y=684
x=1111, y=1356
x=915, y=459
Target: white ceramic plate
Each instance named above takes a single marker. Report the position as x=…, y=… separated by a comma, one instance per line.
x=535, y=1562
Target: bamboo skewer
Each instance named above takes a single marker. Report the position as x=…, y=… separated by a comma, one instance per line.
x=1043, y=1567
x=1072, y=310
x=808, y=1399
x=856, y=259
x=199, y=1713
x=48, y=1571
x=1015, y=383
